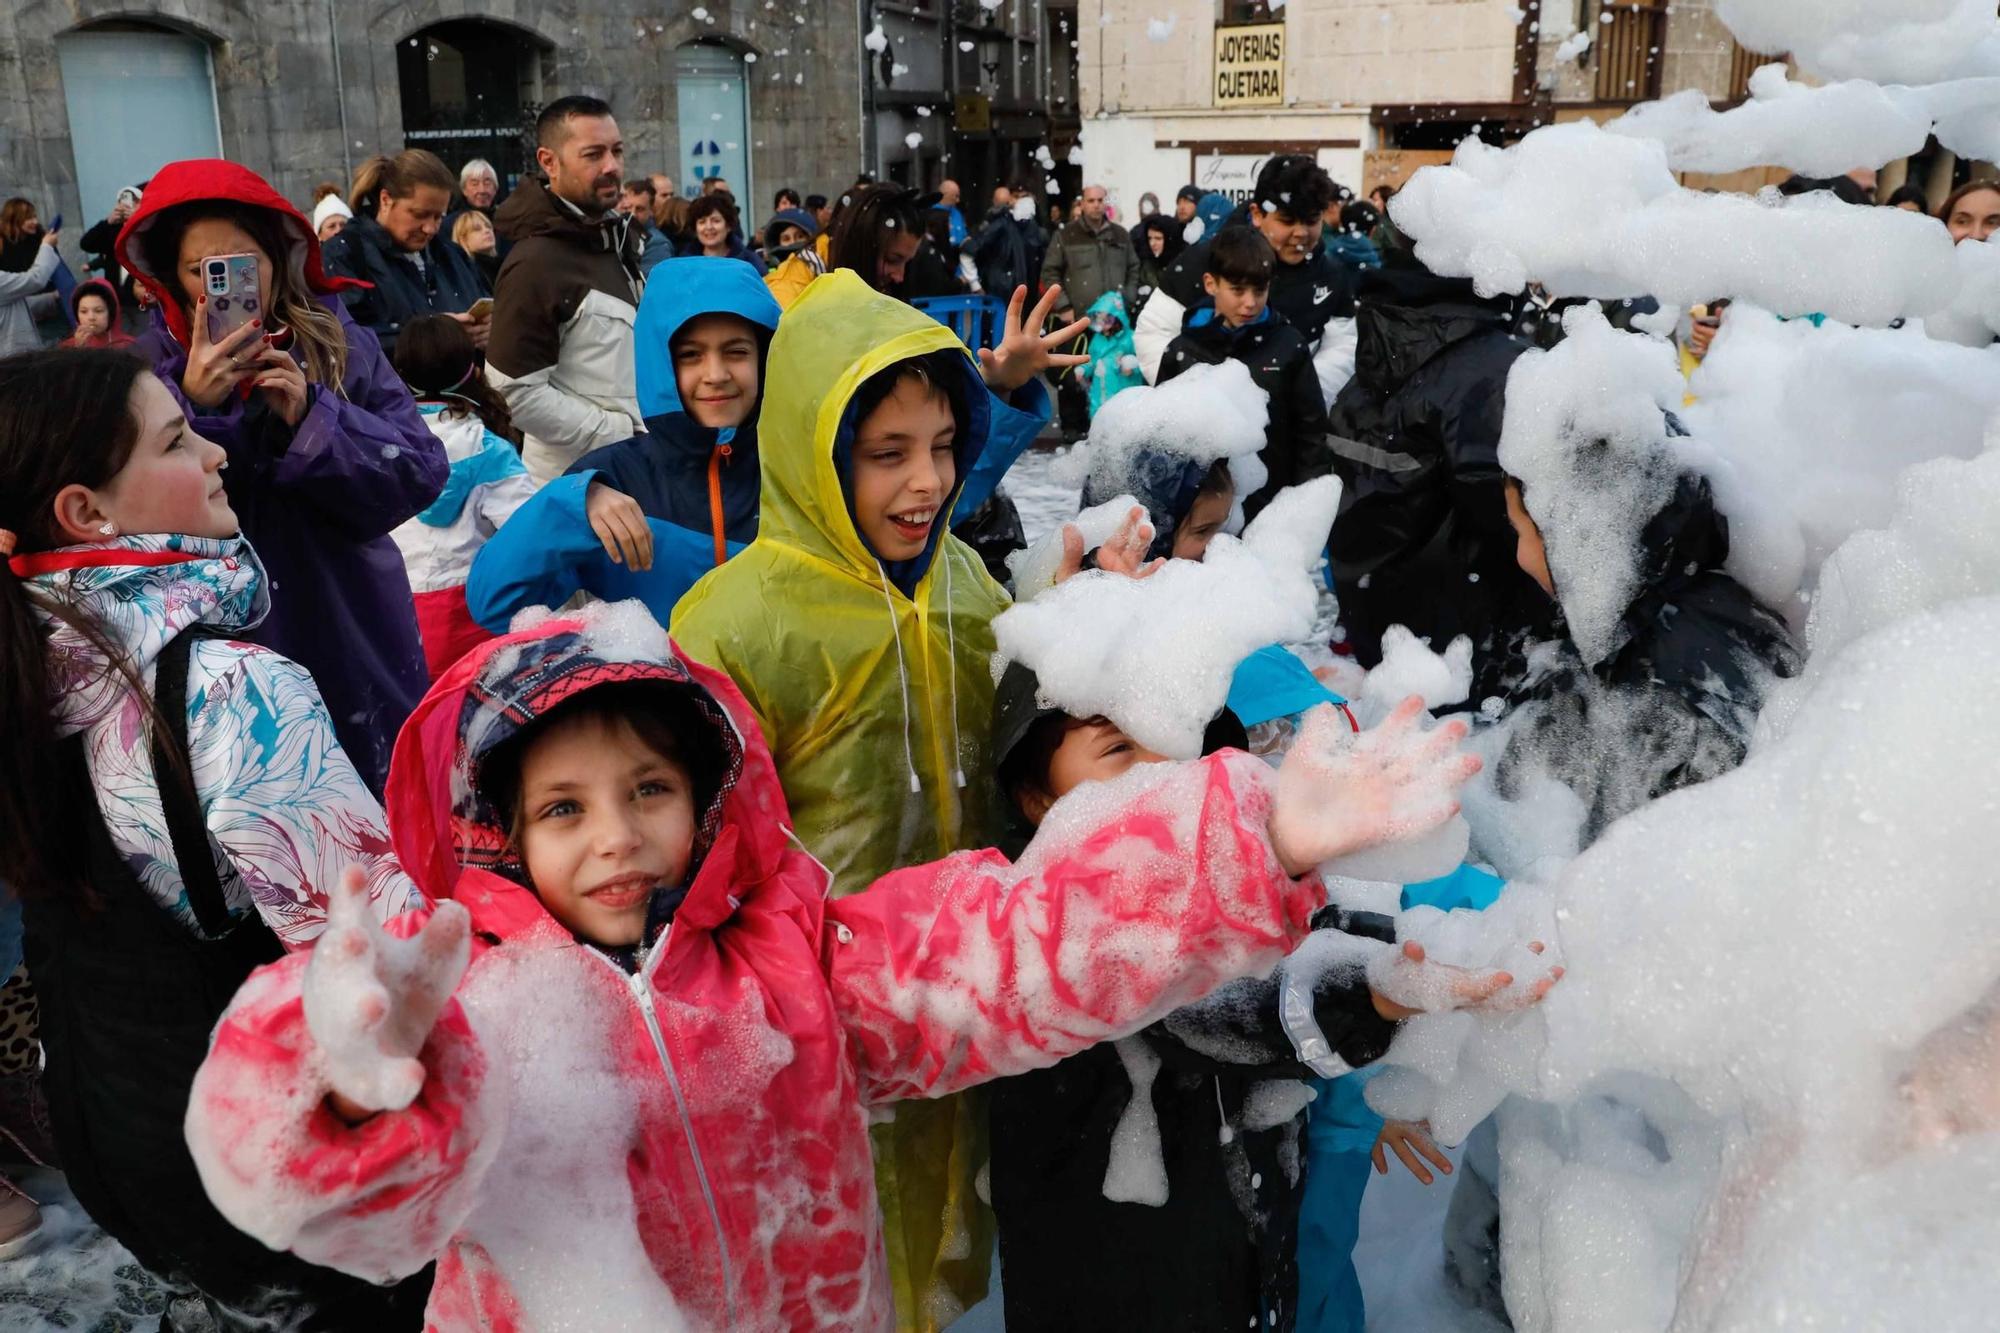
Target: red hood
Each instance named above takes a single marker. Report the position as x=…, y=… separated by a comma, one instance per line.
x=96, y=287
x=450, y=844
x=212, y=178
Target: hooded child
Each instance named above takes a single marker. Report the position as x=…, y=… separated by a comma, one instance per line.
x=1669, y=696
x=860, y=631
x=94, y=310
x=618, y=1077
x=1114, y=366
x=648, y=516
x=488, y=484
x=174, y=811
x=328, y=453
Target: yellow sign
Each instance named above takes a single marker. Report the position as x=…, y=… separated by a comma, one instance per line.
x=1250, y=65
x=972, y=113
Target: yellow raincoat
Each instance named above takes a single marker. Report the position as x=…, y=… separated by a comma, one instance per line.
x=873, y=703
x=789, y=280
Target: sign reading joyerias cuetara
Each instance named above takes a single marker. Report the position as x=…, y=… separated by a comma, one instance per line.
x=1250, y=65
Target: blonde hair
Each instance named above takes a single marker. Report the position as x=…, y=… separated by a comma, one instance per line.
x=467, y=220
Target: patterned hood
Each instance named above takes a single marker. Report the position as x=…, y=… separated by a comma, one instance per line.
x=143, y=591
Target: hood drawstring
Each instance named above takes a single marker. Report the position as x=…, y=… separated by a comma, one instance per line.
x=951, y=675
x=715, y=457
x=902, y=677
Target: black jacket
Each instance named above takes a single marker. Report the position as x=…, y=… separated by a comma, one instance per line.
x=1281, y=364
x=127, y=997
x=99, y=243
x=929, y=273
x=1673, y=700
x=1007, y=252
x=1222, y=1249
x=447, y=284
x=1307, y=295
x=1422, y=538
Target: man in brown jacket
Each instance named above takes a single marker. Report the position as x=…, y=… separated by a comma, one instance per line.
x=566, y=298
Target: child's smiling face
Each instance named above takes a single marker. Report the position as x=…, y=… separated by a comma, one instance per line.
x=904, y=468
x=715, y=369
x=603, y=820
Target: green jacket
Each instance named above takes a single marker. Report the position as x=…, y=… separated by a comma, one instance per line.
x=1090, y=264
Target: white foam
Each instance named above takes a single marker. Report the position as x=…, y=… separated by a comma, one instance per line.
x=1206, y=413
x=1586, y=435
x=1586, y=212
x=1156, y=655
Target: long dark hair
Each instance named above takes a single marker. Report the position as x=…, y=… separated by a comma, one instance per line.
x=435, y=357
x=66, y=419
x=871, y=217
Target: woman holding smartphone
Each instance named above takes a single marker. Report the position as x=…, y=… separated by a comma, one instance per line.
x=27, y=262
x=327, y=453
x=396, y=245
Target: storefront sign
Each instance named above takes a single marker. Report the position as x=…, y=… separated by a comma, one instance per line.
x=1232, y=174
x=1250, y=65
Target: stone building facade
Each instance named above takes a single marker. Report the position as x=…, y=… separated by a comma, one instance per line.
x=94, y=92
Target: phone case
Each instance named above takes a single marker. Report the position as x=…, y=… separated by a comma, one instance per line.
x=230, y=284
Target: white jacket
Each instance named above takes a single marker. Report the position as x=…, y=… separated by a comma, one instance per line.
x=487, y=484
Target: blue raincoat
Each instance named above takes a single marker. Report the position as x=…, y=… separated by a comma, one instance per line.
x=698, y=485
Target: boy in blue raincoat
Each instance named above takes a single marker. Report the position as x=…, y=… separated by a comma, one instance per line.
x=648, y=516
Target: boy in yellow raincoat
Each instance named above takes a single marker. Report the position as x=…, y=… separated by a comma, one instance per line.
x=860, y=631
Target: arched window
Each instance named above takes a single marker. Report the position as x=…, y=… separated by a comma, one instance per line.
x=140, y=96
x=470, y=89
x=714, y=107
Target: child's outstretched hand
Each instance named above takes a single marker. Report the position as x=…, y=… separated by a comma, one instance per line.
x=1404, y=982
x=1409, y=1139
x=1339, y=793
x=1025, y=351
x=1124, y=553
x=371, y=1000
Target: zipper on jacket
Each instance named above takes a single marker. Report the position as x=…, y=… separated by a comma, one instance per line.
x=715, y=457
x=643, y=993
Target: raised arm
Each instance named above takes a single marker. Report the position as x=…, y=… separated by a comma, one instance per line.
x=1146, y=895
x=346, y=1111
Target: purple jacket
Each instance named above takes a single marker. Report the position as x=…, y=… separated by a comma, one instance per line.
x=318, y=503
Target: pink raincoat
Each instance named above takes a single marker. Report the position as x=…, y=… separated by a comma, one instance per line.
x=686, y=1146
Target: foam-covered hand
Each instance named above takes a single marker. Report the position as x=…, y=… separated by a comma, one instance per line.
x=371, y=1000
x=1124, y=552
x=1339, y=792
x=1406, y=982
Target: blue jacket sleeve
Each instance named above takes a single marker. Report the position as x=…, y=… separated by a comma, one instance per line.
x=539, y=557
x=547, y=553
x=1011, y=429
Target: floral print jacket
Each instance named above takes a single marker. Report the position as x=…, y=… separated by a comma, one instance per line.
x=286, y=811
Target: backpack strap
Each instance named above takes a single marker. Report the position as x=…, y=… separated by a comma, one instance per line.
x=173, y=773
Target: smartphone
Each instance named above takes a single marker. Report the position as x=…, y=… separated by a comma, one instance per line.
x=482, y=308
x=230, y=284
x=56, y=225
